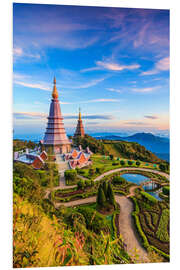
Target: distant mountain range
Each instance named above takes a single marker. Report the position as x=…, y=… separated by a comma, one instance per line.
x=156, y=144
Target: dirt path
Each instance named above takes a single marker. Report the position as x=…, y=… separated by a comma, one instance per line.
x=126, y=227
x=127, y=230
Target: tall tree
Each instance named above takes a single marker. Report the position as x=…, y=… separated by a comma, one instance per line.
x=110, y=194
x=105, y=187
x=101, y=199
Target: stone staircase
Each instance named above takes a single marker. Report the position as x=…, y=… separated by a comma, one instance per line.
x=62, y=165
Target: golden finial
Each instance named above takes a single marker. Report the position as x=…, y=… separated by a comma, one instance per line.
x=55, y=92
x=79, y=113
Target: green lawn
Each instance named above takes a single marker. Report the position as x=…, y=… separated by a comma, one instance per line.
x=106, y=164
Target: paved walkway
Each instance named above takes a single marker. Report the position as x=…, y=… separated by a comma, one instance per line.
x=62, y=184
x=126, y=227
x=126, y=207
x=131, y=169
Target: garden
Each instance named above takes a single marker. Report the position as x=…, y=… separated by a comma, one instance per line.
x=151, y=219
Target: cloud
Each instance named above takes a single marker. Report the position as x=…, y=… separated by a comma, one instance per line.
x=29, y=115
x=95, y=116
x=161, y=65
x=33, y=85
x=93, y=101
x=114, y=90
x=153, y=117
x=145, y=90
x=41, y=116
x=112, y=66
x=102, y=100
x=89, y=84
x=135, y=123
x=19, y=52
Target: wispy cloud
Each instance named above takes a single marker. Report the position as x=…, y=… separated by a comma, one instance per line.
x=20, y=52
x=93, y=116
x=33, y=85
x=112, y=66
x=153, y=117
x=37, y=115
x=17, y=52
x=145, y=90
x=114, y=90
x=89, y=84
x=30, y=115
x=161, y=65
x=136, y=123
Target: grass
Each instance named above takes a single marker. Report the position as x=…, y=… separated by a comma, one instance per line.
x=105, y=165
x=108, y=218
x=162, y=232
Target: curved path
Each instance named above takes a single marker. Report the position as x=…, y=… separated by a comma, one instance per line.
x=63, y=186
x=132, y=169
x=126, y=226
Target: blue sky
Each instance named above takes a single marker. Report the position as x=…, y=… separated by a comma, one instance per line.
x=112, y=62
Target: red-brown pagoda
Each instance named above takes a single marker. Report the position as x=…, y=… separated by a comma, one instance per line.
x=55, y=135
x=79, y=129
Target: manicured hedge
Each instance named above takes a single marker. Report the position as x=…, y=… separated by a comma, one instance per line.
x=76, y=196
x=114, y=225
x=147, y=197
x=162, y=232
x=138, y=225
x=141, y=233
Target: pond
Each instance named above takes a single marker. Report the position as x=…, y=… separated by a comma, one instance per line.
x=138, y=179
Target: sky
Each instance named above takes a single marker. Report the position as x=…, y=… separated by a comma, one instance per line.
x=113, y=63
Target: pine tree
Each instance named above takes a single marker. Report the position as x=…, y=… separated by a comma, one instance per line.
x=105, y=187
x=98, y=197
x=110, y=194
x=101, y=199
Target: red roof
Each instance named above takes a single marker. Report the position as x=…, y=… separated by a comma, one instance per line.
x=37, y=163
x=43, y=155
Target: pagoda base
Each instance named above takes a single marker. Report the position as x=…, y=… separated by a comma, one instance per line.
x=58, y=149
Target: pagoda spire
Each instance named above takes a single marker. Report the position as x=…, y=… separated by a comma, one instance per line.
x=55, y=92
x=79, y=113
x=79, y=129
x=55, y=136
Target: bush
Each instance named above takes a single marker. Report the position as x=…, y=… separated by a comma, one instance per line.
x=166, y=190
x=122, y=162
x=130, y=162
x=94, y=220
x=70, y=175
x=118, y=180
x=115, y=163
x=81, y=184
x=138, y=163
x=164, y=167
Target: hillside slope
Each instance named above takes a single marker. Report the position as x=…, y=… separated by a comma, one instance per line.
x=129, y=150
x=153, y=143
